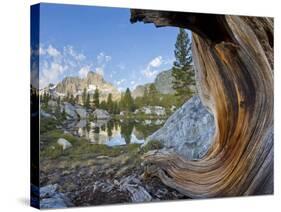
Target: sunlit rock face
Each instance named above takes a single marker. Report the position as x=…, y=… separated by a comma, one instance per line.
x=233, y=58
x=76, y=85
x=164, y=82
x=189, y=131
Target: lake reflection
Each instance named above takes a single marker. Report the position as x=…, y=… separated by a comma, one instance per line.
x=115, y=132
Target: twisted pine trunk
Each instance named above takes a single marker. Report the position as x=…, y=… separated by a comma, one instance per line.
x=233, y=56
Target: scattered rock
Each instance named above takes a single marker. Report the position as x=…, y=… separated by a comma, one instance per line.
x=70, y=110
x=122, y=171
x=152, y=110
x=133, y=186
x=48, y=191
x=102, y=157
x=64, y=143
x=173, y=108
x=82, y=113
x=81, y=124
x=46, y=115
x=101, y=114
x=51, y=198
x=98, y=123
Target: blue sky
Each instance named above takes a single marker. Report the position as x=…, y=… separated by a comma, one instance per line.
x=77, y=39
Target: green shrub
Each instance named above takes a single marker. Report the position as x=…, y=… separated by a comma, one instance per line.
x=47, y=124
x=152, y=145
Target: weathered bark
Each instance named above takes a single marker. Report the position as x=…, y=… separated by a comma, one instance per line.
x=233, y=57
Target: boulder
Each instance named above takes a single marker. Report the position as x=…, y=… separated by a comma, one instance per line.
x=152, y=110
x=173, y=108
x=189, y=131
x=52, y=105
x=64, y=143
x=101, y=114
x=48, y=191
x=70, y=110
x=133, y=186
x=51, y=198
x=82, y=113
x=46, y=115
x=81, y=124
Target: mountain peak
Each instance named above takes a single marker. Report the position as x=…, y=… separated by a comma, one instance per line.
x=93, y=80
x=92, y=73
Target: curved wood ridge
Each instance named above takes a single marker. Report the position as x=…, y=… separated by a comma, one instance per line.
x=233, y=57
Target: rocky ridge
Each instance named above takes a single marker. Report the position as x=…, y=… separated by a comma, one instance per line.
x=76, y=85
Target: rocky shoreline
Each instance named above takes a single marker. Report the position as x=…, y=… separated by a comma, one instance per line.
x=100, y=180
x=94, y=174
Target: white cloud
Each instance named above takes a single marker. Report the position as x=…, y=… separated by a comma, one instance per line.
x=55, y=64
x=50, y=73
x=119, y=82
x=154, y=66
x=84, y=71
x=53, y=52
x=42, y=51
x=107, y=58
x=156, y=62
x=70, y=51
x=149, y=73
x=102, y=58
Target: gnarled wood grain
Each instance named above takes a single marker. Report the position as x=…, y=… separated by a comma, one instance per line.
x=234, y=69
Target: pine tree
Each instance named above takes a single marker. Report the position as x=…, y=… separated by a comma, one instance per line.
x=121, y=103
x=116, y=108
x=84, y=96
x=72, y=100
x=64, y=116
x=109, y=103
x=128, y=101
x=153, y=95
x=183, y=72
x=87, y=104
x=141, y=101
x=96, y=98
x=44, y=98
x=103, y=105
x=57, y=109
